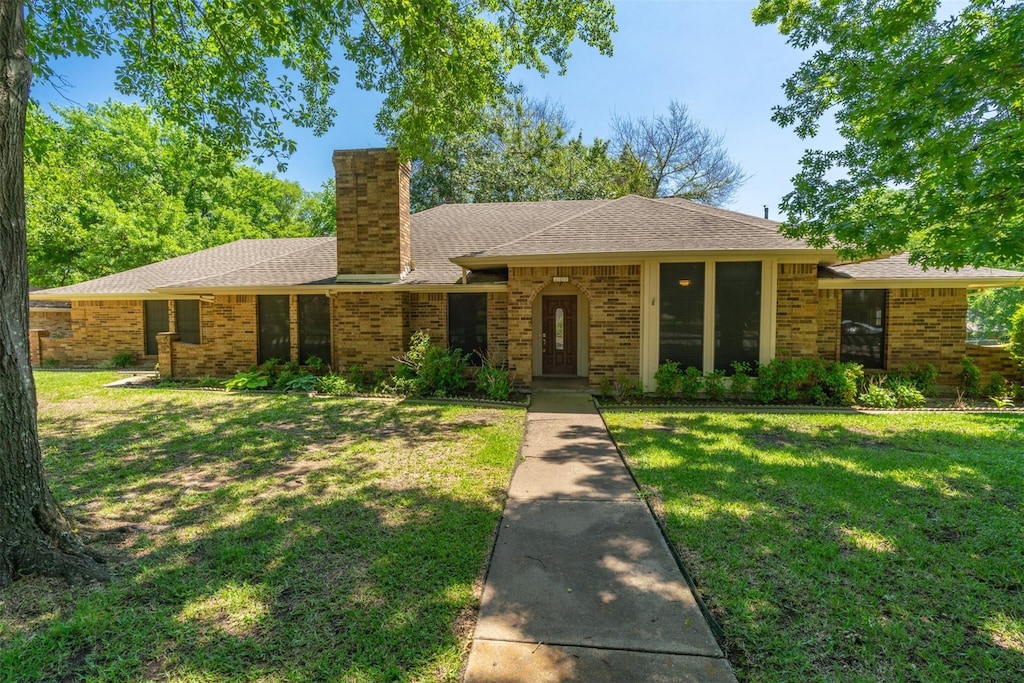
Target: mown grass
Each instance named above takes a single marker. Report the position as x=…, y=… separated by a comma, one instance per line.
x=261, y=537
x=847, y=547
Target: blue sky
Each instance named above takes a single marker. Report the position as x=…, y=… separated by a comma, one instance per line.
x=706, y=54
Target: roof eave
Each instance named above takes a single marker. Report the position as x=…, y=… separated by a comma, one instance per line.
x=917, y=283
x=820, y=256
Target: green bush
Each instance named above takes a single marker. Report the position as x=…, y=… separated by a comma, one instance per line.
x=667, y=378
x=301, y=382
x=443, y=373
x=494, y=381
x=807, y=380
x=356, y=376
x=741, y=379
x=626, y=388
x=253, y=379
x=714, y=385
x=922, y=375
x=691, y=382
x=839, y=382
x=907, y=394
x=51, y=363
x=315, y=364
x=995, y=385
x=605, y=387
x=336, y=385
x=1017, y=336
x=969, y=378
x=877, y=396
x=122, y=359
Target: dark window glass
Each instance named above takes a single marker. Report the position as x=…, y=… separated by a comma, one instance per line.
x=862, y=330
x=737, y=313
x=186, y=321
x=157, y=321
x=314, y=327
x=681, y=314
x=467, y=324
x=274, y=327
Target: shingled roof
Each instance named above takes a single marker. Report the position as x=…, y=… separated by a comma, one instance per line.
x=447, y=238
x=899, y=268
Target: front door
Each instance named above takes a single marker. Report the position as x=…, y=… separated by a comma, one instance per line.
x=558, y=334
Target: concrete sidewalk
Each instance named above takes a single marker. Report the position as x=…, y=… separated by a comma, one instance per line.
x=582, y=586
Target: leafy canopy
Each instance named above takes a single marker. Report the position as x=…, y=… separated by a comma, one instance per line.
x=933, y=118
x=113, y=187
x=241, y=71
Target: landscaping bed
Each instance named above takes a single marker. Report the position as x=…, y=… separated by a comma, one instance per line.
x=262, y=536
x=846, y=546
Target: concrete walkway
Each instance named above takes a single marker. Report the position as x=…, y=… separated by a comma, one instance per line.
x=582, y=586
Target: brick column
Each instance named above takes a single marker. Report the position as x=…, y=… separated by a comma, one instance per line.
x=293, y=327
x=165, y=352
x=35, y=346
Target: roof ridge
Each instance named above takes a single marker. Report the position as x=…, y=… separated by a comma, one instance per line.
x=604, y=203
x=179, y=285
x=697, y=207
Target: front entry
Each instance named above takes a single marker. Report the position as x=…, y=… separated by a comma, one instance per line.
x=558, y=334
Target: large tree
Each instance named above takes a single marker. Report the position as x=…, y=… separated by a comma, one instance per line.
x=112, y=187
x=522, y=150
x=228, y=69
x=674, y=155
x=929, y=104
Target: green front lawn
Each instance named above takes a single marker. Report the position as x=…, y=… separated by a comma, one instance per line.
x=269, y=537
x=847, y=547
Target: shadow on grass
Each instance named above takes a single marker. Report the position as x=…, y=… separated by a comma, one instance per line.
x=848, y=547
x=276, y=538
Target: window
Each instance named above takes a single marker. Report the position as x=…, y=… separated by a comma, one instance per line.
x=274, y=327
x=156, y=320
x=186, y=320
x=681, y=314
x=737, y=313
x=467, y=324
x=862, y=330
x=314, y=327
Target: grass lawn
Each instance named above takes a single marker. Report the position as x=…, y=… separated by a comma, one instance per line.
x=847, y=547
x=261, y=537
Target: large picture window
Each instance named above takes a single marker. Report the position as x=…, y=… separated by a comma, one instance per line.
x=157, y=320
x=186, y=320
x=862, y=330
x=274, y=327
x=314, y=327
x=467, y=324
x=681, y=314
x=737, y=313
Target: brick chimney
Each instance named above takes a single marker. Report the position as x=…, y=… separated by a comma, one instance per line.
x=373, y=215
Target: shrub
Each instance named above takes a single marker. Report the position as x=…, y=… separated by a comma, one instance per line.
x=122, y=359
x=877, y=396
x=839, y=382
x=1016, y=392
x=252, y=379
x=443, y=372
x=335, y=385
x=784, y=380
x=690, y=384
x=969, y=378
x=315, y=363
x=921, y=375
x=667, y=378
x=357, y=377
x=302, y=382
x=605, y=387
x=51, y=363
x=494, y=381
x=714, y=385
x=741, y=379
x=907, y=395
x=1017, y=336
x=625, y=387
x=995, y=385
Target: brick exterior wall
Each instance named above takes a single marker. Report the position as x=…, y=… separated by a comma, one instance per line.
x=995, y=359
x=56, y=321
x=829, y=306
x=373, y=219
x=369, y=329
x=614, y=296
x=228, y=340
x=99, y=329
x=497, y=326
x=927, y=325
x=796, y=316
x=427, y=311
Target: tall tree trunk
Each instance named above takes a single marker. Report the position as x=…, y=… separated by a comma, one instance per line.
x=35, y=536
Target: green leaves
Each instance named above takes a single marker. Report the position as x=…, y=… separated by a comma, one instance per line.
x=932, y=112
x=240, y=73
x=113, y=187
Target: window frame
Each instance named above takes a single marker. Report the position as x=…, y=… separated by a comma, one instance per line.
x=150, y=335
x=478, y=320
x=188, y=338
x=263, y=356
x=882, y=322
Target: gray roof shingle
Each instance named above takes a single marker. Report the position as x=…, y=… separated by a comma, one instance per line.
x=899, y=267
